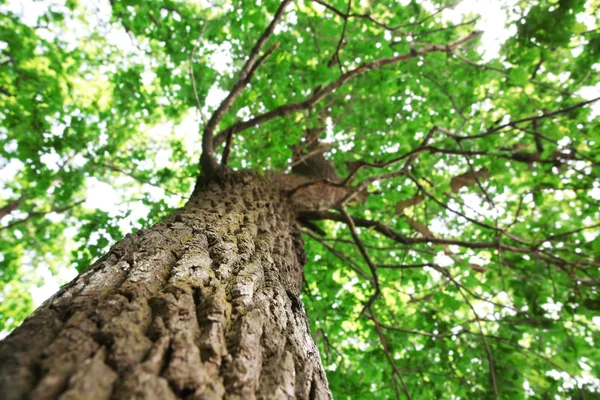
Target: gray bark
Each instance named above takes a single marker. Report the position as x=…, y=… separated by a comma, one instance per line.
x=203, y=305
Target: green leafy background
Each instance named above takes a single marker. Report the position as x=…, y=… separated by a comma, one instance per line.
x=100, y=135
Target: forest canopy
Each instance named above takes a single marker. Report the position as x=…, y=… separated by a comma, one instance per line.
x=464, y=263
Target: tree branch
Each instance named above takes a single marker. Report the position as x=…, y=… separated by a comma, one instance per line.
x=207, y=160
x=491, y=131
x=340, y=256
x=385, y=26
x=488, y=351
x=390, y=233
x=363, y=252
x=39, y=214
x=193, y=78
x=319, y=95
x=133, y=176
x=387, y=352
x=486, y=67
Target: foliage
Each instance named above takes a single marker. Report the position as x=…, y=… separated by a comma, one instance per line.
x=486, y=162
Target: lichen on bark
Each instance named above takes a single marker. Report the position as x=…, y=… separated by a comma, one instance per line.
x=203, y=305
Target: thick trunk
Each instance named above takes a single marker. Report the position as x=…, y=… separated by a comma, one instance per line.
x=203, y=305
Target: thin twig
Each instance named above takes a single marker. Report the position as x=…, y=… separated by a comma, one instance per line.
x=387, y=352
x=319, y=95
x=486, y=67
x=341, y=256
x=448, y=95
x=400, y=238
x=336, y=55
x=363, y=252
x=193, y=78
x=39, y=214
x=385, y=26
x=133, y=176
x=488, y=351
x=491, y=131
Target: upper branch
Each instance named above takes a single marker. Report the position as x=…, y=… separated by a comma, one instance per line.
x=514, y=123
x=40, y=214
x=243, y=79
x=350, y=223
x=383, y=25
x=396, y=236
x=320, y=94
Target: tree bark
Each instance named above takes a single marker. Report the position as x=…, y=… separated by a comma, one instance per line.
x=203, y=305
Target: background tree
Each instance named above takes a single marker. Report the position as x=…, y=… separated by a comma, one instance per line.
x=452, y=175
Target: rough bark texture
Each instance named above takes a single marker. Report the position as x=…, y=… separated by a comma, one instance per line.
x=203, y=305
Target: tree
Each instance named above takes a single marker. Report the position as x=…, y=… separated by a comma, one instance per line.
x=431, y=205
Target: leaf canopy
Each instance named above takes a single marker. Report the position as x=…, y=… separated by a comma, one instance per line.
x=480, y=150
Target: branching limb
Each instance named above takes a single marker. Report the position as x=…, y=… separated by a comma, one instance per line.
x=252, y=63
x=39, y=214
x=319, y=95
x=410, y=157
x=383, y=25
x=363, y=252
x=227, y=149
x=387, y=352
x=514, y=123
x=460, y=214
x=390, y=233
x=340, y=256
x=193, y=78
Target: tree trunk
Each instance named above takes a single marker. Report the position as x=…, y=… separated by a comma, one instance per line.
x=203, y=305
